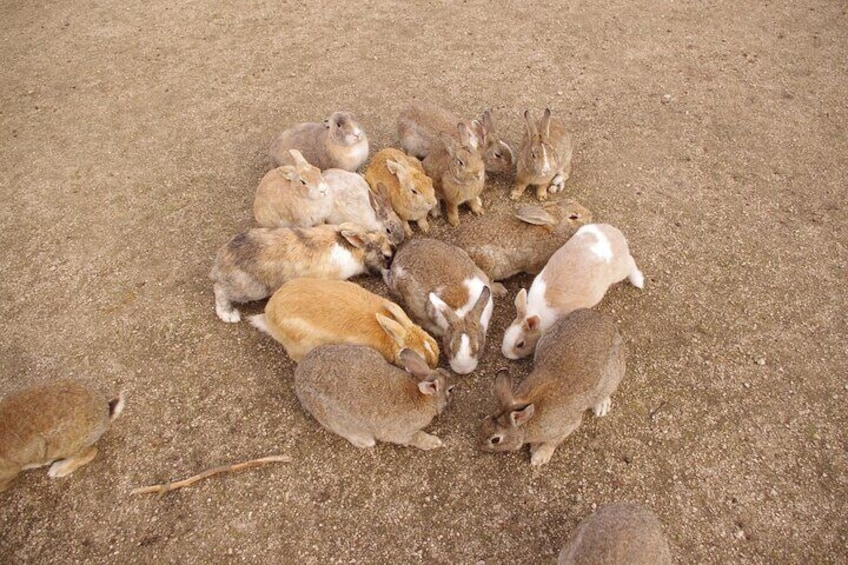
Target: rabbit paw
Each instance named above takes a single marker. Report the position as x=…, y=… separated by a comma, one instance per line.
x=557, y=184
x=603, y=407
x=541, y=193
x=65, y=467
x=499, y=290
x=541, y=453
x=362, y=442
x=229, y=316
x=425, y=441
x=476, y=206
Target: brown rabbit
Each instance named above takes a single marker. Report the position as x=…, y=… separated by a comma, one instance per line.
x=458, y=175
x=506, y=244
x=578, y=365
x=54, y=423
x=306, y=313
x=352, y=391
x=544, y=158
x=337, y=143
x=354, y=201
x=401, y=178
x=253, y=264
x=292, y=196
x=497, y=154
x=618, y=534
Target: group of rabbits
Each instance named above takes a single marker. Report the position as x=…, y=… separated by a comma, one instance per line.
x=367, y=370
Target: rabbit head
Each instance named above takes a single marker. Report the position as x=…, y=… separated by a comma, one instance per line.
x=344, y=128
x=464, y=338
x=505, y=429
x=437, y=383
x=305, y=175
x=416, y=188
x=540, y=157
x=386, y=215
x=521, y=336
x=497, y=154
x=465, y=164
x=375, y=245
x=407, y=335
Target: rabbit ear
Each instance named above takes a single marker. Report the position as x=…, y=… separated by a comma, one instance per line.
x=521, y=303
x=300, y=161
x=442, y=307
x=535, y=215
x=395, y=167
x=503, y=389
x=482, y=300
x=429, y=387
x=353, y=234
x=288, y=172
x=546, y=123
x=414, y=364
x=521, y=415
x=532, y=322
x=531, y=126
x=487, y=120
x=398, y=314
x=393, y=329
x=449, y=143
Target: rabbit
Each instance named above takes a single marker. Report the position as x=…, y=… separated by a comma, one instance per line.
x=497, y=153
x=447, y=294
x=354, y=202
x=353, y=392
x=255, y=263
x=619, y=533
x=544, y=158
x=292, y=196
x=458, y=174
x=337, y=143
x=576, y=276
x=306, y=313
x=505, y=244
x=578, y=365
x=56, y=423
x=402, y=180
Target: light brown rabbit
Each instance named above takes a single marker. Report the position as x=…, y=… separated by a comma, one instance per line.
x=306, y=313
x=401, y=178
x=54, y=423
x=253, y=264
x=458, y=175
x=292, y=196
x=544, y=158
x=578, y=365
x=497, y=153
x=353, y=201
x=447, y=294
x=507, y=243
x=576, y=276
x=618, y=534
x=337, y=143
x=353, y=392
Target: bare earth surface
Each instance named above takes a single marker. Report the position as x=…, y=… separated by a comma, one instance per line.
x=133, y=136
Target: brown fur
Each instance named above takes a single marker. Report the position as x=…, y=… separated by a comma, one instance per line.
x=409, y=189
x=338, y=142
x=458, y=175
x=419, y=126
x=253, y=264
x=292, y=195
x=504, y=244
x=548, y=134
x=306, y=313
x=52, y=422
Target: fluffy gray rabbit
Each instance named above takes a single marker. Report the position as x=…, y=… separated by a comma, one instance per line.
x=339, y=142
x=578, y=365
x=54, y=423
x=617, y=534
x=353, y=392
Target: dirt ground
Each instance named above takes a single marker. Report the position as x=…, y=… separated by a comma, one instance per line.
x=133, y=136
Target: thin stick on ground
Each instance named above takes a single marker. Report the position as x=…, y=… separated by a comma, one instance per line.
x=165, y=487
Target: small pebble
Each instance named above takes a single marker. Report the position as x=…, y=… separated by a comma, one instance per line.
x=666, y=98
x=761, y=361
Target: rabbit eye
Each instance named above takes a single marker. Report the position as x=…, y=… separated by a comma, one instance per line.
x=450, y=389
x=495, y=440
x=533, y=153
x=498, y=155
x=461, y=163
x=520, y=344
x=415, y=192
x=303, y=182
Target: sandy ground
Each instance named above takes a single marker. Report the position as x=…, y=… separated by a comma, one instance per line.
x=133, y=136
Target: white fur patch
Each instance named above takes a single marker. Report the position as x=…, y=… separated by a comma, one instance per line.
x=359, y=151
x=538, y=306
x=512, y=335
x=474, y=285
x=602, y=249
x=546, y=161
x=345, y=262
x=463, y=362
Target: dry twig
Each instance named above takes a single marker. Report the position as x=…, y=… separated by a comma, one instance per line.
x=165, y=487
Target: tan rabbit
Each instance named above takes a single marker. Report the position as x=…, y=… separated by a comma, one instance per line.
x=447, y=294
x=292, y=196
x=458, y=175
x=497, y=153
x=353, y=201
x=544, y=158
x=578, y=365
x=576, y=276
x=337, y=143
x=306, y=313
x=253, y=264
x=507, y=243
x=401, y=178
x=54, y=423
x=618, y=534
x=353, y=392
